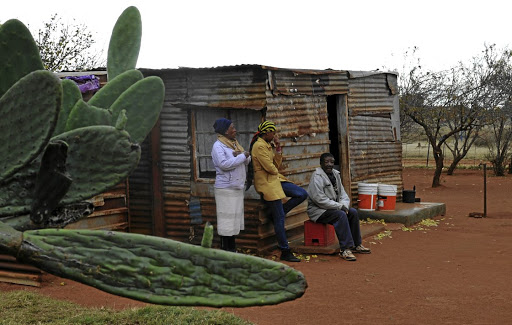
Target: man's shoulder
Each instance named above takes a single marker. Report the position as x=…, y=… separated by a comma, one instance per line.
x=318, y=172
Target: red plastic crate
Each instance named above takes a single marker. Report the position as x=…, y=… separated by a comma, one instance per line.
x=318, y=234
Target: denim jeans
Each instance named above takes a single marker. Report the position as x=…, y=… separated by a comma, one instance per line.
x=278, y=210
x=346, y=226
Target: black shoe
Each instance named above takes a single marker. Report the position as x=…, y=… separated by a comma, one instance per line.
x=232, y=244
x=287, y=255
x=224, y=243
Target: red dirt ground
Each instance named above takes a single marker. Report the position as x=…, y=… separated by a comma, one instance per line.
x=455, y=273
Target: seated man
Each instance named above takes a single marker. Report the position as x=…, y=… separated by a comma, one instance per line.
x=329, y=203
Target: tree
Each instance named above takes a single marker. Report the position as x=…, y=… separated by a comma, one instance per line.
x=499, y=113
x=67, y=47
x=431, y=99
x=453, y=104
x=501, y=138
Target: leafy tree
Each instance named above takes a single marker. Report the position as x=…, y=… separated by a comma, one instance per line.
x=67, y=47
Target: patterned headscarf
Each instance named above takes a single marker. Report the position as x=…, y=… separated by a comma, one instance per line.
x=266, y=127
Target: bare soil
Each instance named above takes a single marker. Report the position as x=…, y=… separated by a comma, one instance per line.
x=455, y=273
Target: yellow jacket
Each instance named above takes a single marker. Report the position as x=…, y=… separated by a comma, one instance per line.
x=266, y=163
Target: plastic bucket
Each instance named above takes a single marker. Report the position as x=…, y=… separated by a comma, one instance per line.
x=367, y=193
x=386, y=197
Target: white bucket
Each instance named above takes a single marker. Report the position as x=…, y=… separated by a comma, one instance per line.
x=387, y=189
x=367, y=196
x=387, y=197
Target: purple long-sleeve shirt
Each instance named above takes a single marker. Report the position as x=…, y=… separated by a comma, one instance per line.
x=230, y=170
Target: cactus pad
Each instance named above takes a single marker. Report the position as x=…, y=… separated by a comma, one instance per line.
x=124, y=46
x=70, y=96
x=99, y=157
x=143, y=102
x=19, y=54
x=108, y=94
x=159, y=270
x=29, y=111
x=83, y=114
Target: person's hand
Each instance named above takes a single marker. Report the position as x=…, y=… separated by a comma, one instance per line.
x=276, y=141
x=247, y=154
x=344, y=209
x=277, y=144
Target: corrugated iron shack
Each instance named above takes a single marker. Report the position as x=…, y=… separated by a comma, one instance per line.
x=352, y=114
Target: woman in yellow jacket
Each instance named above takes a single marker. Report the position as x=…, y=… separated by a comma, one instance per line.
x=266, y=160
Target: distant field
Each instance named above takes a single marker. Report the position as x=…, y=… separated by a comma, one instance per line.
x=415, y=154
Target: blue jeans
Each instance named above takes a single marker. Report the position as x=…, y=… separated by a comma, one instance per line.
x=278, y=210
x=346, y=226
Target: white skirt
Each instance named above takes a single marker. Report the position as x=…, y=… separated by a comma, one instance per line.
x=230, y=211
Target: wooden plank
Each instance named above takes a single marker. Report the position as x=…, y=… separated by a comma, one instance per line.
x=21, y=278
x=343, y=132
x=19, y=267
x=27, y=282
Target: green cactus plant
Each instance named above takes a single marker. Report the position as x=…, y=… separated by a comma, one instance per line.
x=19, y=54
x=58, y=150
x=124, y=46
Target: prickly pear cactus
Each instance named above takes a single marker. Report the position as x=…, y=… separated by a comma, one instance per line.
x=58, y=150
x=27, y=121
x=124, y=46
x=19, y=54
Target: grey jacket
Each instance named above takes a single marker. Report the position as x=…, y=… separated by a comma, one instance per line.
x=322, y=196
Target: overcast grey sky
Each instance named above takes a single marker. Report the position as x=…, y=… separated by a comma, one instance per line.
x=321, y=34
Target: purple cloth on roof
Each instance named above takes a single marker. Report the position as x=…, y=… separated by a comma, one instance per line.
x=86, y=83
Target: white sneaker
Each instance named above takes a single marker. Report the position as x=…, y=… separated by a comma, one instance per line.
x=347, y=255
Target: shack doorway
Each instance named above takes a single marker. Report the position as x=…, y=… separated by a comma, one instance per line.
x=337, y=115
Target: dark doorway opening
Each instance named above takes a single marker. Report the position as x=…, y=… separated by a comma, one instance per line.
x=332, y=116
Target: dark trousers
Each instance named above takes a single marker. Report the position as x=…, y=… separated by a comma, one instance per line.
x=346, y=226
x=279, y=210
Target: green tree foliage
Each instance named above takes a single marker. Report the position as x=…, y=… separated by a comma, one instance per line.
x=67, y=47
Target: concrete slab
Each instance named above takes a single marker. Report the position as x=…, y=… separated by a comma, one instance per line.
x=406, y=213
x=367, y=230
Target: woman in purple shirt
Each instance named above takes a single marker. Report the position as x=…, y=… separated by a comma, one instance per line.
x=230, y=161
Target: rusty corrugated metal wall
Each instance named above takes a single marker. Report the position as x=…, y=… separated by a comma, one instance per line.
x=296, y=100
x=375, y=148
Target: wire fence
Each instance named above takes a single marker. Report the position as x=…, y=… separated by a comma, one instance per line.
x=420, y=154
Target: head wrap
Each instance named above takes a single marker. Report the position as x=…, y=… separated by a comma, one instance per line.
x=221, y=125
x=266, y=127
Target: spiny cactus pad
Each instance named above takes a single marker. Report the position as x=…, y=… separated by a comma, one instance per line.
x=98, y=158
x=124, y=46
x=83, y=114
x=142, y=102
x=70, y=96
x=29, y=115
x=108, y=94
x=159, y=270
x=19, y=54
